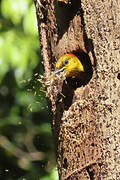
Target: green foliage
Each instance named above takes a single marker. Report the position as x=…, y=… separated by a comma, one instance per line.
x=26, y=145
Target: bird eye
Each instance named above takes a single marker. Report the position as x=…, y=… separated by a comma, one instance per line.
x=65, y=62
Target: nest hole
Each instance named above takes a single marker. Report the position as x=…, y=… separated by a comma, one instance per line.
x=72, y=83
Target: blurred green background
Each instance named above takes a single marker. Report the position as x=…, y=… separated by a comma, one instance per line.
x=26, y=143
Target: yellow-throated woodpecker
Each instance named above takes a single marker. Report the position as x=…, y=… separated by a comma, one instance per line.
x=69, y=66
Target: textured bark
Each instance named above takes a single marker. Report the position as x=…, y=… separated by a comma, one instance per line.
x=85, y=116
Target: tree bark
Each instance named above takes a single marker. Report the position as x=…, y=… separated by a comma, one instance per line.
x=85, y=116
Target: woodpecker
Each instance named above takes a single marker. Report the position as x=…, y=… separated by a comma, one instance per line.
x=69, y=66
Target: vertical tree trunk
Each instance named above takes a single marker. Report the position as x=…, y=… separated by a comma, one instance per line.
x=85, y=116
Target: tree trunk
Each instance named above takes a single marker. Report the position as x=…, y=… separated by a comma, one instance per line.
x=85, y=116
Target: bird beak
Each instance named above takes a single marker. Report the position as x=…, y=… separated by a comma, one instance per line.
x=59, y=72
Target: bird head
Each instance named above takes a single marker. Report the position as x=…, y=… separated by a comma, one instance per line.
x=69, y=66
